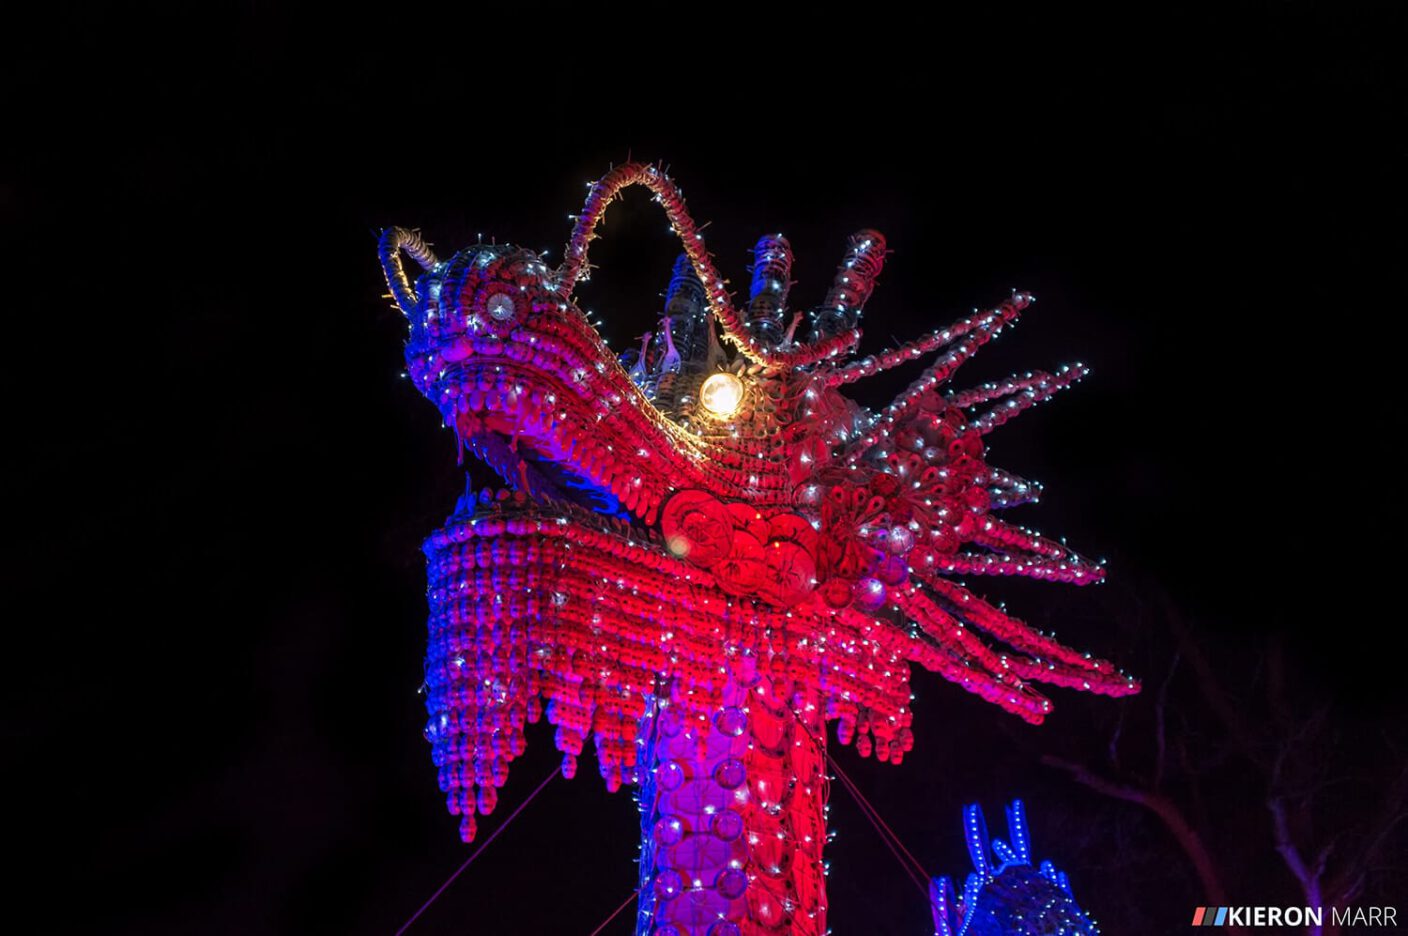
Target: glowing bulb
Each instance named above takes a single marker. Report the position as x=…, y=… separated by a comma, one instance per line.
x=721, y=394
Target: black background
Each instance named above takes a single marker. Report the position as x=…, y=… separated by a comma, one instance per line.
x=220, y=481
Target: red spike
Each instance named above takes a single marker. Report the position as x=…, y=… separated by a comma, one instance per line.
x=891, y=358
x=1033, y=389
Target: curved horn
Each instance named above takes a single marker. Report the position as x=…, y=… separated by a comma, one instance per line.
x=393, y=241
x=604, y=192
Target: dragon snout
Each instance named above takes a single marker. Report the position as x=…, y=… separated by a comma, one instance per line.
x=526, y=382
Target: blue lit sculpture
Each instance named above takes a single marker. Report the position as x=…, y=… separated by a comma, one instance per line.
x=1005, y=895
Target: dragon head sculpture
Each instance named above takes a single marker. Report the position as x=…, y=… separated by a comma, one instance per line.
x=705, y=536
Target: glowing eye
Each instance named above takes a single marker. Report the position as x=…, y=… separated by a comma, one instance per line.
x=721, y=394
x=500, y=307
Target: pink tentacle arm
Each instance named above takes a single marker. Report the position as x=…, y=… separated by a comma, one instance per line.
x=997, y=390
x=1001, y=677
x=1018, y=394
x=967, y=661
x=891, y=358
x=605, y=191
x=394, y=240
x=976, y=332
x=1050, y=661
x=999, y=534
x=1009, y=490
x=1068, y=567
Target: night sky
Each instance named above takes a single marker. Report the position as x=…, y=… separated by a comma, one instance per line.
x=220, y=482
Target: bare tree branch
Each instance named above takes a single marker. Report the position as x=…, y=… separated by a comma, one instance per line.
x=1160, y=724
x=1167, y=811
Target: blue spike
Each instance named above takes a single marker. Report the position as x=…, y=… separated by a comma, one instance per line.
x=970, y=901
x=975, y=832
x=1006, y=856
x=941, y=900
x=1017, y=828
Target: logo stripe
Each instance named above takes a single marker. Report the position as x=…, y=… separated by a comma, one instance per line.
x=1198, y=916
x=1221, y=916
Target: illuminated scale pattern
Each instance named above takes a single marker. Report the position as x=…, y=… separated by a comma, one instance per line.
x=1006, y=894
x=699, y=593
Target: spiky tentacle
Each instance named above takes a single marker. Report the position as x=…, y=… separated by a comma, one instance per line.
x=1050, y=661
x=1009, y=490
x=891, y=358
x=986, y=672
x=1072, y=569
x=1018, y=394
x=988, y=327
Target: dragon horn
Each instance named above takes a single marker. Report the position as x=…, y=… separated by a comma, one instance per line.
x=393, y=241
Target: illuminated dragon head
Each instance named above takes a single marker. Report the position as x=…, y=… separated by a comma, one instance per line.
x=708, y=511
